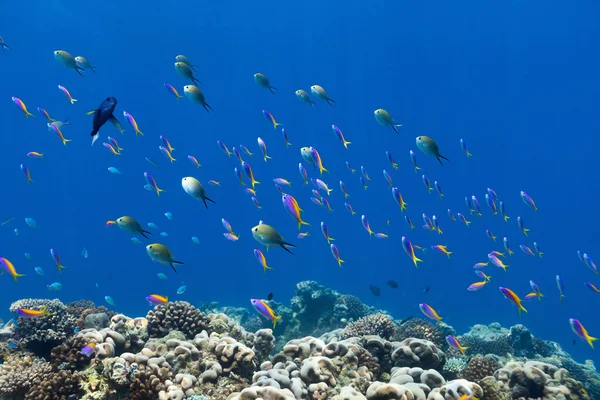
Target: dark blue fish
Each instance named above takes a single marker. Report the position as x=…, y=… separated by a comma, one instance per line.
x=103, y=114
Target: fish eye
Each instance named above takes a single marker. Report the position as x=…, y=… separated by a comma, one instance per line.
x=150, y=247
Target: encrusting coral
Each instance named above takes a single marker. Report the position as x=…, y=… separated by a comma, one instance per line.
x=179, y=316
x=376, y=324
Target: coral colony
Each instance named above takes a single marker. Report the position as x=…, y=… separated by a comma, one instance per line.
x=326, y=346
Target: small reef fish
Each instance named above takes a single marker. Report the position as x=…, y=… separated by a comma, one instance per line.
x=39, y=271
x=528, y=200
x=263, y=147
x=463, y=146
x=582, y=332
x=224, y=148
x=476, y=286
x=390, y=158
x=366, y=225
x=441, y=249
x=102, y=115
x=161, y=254
x=265, y=311
x=269, y=237
x=304, y=97
x=162, y=276
x=453, y=342
x=56, y=259
x=186, y=61
x=194, y=161
x=54, y=128
x=521, y=226
x=129, y=225
x=249, y=173
x=262, y=260
x=133, y=123
x=536, y=290
x=3, y=44
x=271, y=119
x=181, y=289
x=186, y=71
x=22, y=107
x=262, y=81
x=561, y=287
x=28, y=313
x=349, y=208
x=285, y=137
x=429, y=312
x=156, y=299
x=491, y=203
x=195, y=240
x=429, y=147
x=321, y=94
x=31, y=222
x=169, y=215
x=510, y=295
x=384, y=118
x=340, y=136
x=410, y=251
x=166, y=153
x=8, y=267
x=152, y=182
x=67, y=94
x=350, y=167
x=111, y=148
x=503, y=211
x=194, y=188
x=173, y=91
x=151, y=161
x=527, y=250
x=55, y=287
x=497, y=262
x=291, y=206
x=507, y=247
x=45, y=114
x=68, y=61
x=114, y=171
x=195, y=95
x=325, y=232
x=27, y=173
x=426, y=183
x=490, y=235
x=336, y=254
x=35, y=154
x=109, y=300
x=88, y=350
x=388, y=178
x=538, y=249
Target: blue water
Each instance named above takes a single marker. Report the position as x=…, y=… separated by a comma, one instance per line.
x=516, y=80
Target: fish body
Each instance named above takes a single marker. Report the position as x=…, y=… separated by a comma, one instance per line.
x=173, y=91
x=8, y=267
x=103, y=114
x=248, y=170
x=503, y=211
x=321, y=94
x=429, y=312
x=340, y=136
x=28, y=313
x=582, y=332
x=453, y=342
x=398, y=198
x=390, y=158
x=410, y=251
x=186, y=71
x=262, y=260
x=265, y=311
x=129, y=225
x=528, y=200
x=84, y=64
x=291, y=206
x=263, y=147
x=194, y=188
x=88, y=350
x=56, y=259
x=269, y=237
x=497, y=262
x=195, y=95
x=510, y=295
x=304, y=97
x=507, y=247
x=152, y=182
x=384, y=118
x=429, y=147
x=67, y=94
x=157, y=299
x=561, y=287
x=22, y=106
x=325, y=232
x=67, y=60
x=161, y=254
x=521, y=226
x=271, y=119
x=463, y=146
x=336, y=254
x=489, y=200
x=262, y=81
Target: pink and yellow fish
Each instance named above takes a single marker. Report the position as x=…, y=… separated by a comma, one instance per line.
x=54, y=128
x=27, y=173
x=22, y=106
x=156, y=299
x=133, y=123
x=510, y=295
x=28, y=313
x=67, y=94
x=7, y=266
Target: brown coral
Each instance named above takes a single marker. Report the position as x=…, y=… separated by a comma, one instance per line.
x=18, y=374
x=478, y=368
x=180, y=316
x=420, y=329
x=376, y=324
x=88, y=311
x=68, y=355
x=62, y=385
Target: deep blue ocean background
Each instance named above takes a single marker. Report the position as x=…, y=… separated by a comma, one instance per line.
x=516, y=80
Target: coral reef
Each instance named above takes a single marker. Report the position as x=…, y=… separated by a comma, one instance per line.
x=181, y=352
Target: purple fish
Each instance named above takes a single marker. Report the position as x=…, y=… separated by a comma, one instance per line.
x=265, y=311
x=491, y=203
x=303, y=173
x=475, y=203
x=527, y=250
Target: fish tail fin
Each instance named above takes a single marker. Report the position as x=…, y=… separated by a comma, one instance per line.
x=64, y=141
x=28, y=114
x=275, y=319
x=323, y=169
x=525, y=230
x=469, y=154
x=340, y=261
x=159, y=191
x=448, y=254
x=15, y=276
x=300, y=223
x=468, y=223
x=353, y=212
x=590, y=340
x=416, y=260
x=144, y=233
x=255, y=182
x=271, y=89
x=266, y=267
x=79, y=69
x=61, y=267
x=196, y=80
x=521, y=308
x=73, y=101
x=284, y=246
x=329, y=101
x=329, y=191
x=346, y=143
